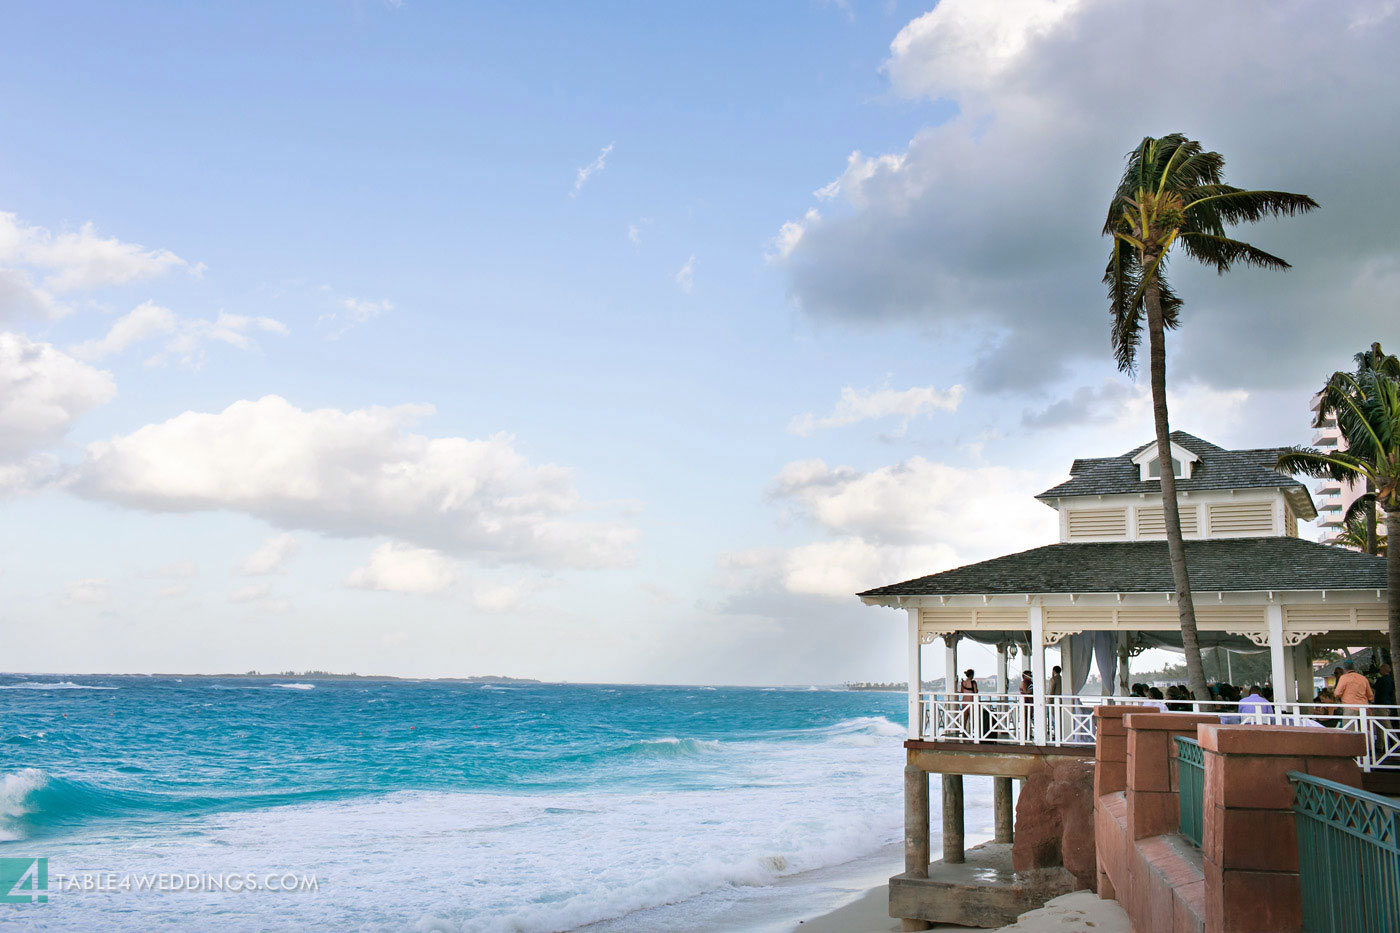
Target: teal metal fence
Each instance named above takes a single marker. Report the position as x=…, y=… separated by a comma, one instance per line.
x=1348, y=857
x=1191, y=787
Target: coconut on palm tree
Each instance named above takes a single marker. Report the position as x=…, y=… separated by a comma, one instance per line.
x=1367, y=404
x=1173, y=194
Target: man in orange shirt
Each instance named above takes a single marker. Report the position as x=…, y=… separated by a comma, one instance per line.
x=1353, y=689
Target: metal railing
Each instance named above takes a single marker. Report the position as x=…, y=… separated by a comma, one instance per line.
x=1010, y=718
x=1348, y=857
x=1191, y=787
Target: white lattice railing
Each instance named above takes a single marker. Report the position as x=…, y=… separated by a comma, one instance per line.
x=1009, y=718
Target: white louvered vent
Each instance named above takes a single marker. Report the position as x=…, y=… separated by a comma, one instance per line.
x=1152, y=522
x=1241, y=519
x=1085, y=524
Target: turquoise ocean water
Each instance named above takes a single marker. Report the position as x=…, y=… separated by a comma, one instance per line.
x=428, y=806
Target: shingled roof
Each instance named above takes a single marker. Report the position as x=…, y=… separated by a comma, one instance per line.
x=1215, y=565
x=1218, y=468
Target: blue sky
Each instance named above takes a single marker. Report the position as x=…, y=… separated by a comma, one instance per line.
x=392, y=205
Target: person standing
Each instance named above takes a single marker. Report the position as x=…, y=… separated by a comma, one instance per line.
x=1385, y=687
x=1353, y=689
x=1055, y=681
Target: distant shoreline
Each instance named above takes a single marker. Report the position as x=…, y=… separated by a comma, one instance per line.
x=290, y=675
x=474, y=679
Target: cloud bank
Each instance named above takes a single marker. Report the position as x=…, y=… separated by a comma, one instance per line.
x=988, y=223
x=356, y=474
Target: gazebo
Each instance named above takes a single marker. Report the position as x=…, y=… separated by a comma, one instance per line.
x=1104, y=593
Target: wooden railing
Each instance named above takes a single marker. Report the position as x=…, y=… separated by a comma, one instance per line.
x=1348, y=857
x=1009, y=718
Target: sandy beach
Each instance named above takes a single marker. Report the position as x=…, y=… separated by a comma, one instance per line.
x=1072, y=913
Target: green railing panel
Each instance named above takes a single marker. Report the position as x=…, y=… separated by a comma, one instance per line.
x=1348, y=857
x=1191, y=787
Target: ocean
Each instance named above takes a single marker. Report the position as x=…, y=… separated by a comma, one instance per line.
x=233, y=804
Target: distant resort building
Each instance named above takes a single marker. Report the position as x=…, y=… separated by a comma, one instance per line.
x=1104, y=594
x=1333, y=497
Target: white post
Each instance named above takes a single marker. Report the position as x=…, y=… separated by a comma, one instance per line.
x=916, y=721
x=1278, y=664
x=1001, y=668
x=1037, y=619
x=950, y=663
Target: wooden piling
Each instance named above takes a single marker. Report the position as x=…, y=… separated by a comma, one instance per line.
x=1001, y=803
x=953, y=819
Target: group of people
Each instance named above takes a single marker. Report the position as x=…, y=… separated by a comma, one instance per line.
x=1349, y=691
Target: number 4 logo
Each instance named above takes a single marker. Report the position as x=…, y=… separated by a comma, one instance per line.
x=24, y=880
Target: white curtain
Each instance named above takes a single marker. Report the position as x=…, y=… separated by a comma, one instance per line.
x=1106, y=653
x=1081, y=648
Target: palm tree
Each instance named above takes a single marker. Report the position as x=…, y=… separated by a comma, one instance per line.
x=1172, y=191
x=1376, y=359
x=1368, y=413
x=1356, y=535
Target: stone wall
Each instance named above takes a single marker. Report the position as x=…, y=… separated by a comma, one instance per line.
x=1245, y=875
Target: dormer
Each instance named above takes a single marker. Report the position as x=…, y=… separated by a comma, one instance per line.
x=1149, y=464
x=1220, y=494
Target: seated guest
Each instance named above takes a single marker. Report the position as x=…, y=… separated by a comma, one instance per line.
x=1326, y=711
x=1255, y=706
x=1155, y=698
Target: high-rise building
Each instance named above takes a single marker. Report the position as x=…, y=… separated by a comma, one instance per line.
x=1333, y=498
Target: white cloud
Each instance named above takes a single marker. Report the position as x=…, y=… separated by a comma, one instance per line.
x=93, y=591
x=592, y=168
x=42, y=392
x=858, y=405
x=270, y=555
x=685, y=278
x=790, y=234
x=142, y=323
x=353, y=312
x=985, y=226
x=402, y=568
x=250, y=592
x=357, y=474
x=174, y=591
x=978, y=510
x=20, y=297
x=185, y=340
x=634, y=234
x=71, y=262
x=892, y=523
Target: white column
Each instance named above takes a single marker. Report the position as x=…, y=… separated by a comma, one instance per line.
x=950, y=662
x=915, y=677
x=1278, y=662
x=1001, y=668
x=1037, y=618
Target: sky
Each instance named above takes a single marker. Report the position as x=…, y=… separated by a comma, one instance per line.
x=619, y=341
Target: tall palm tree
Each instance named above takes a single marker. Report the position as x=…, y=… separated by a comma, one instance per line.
x=1368, y=410
x=1373, y=358
x=1172, y=191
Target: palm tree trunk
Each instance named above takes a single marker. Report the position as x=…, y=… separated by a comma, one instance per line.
x=1392, y=582
x=1371, y=543
x=1176, y=549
